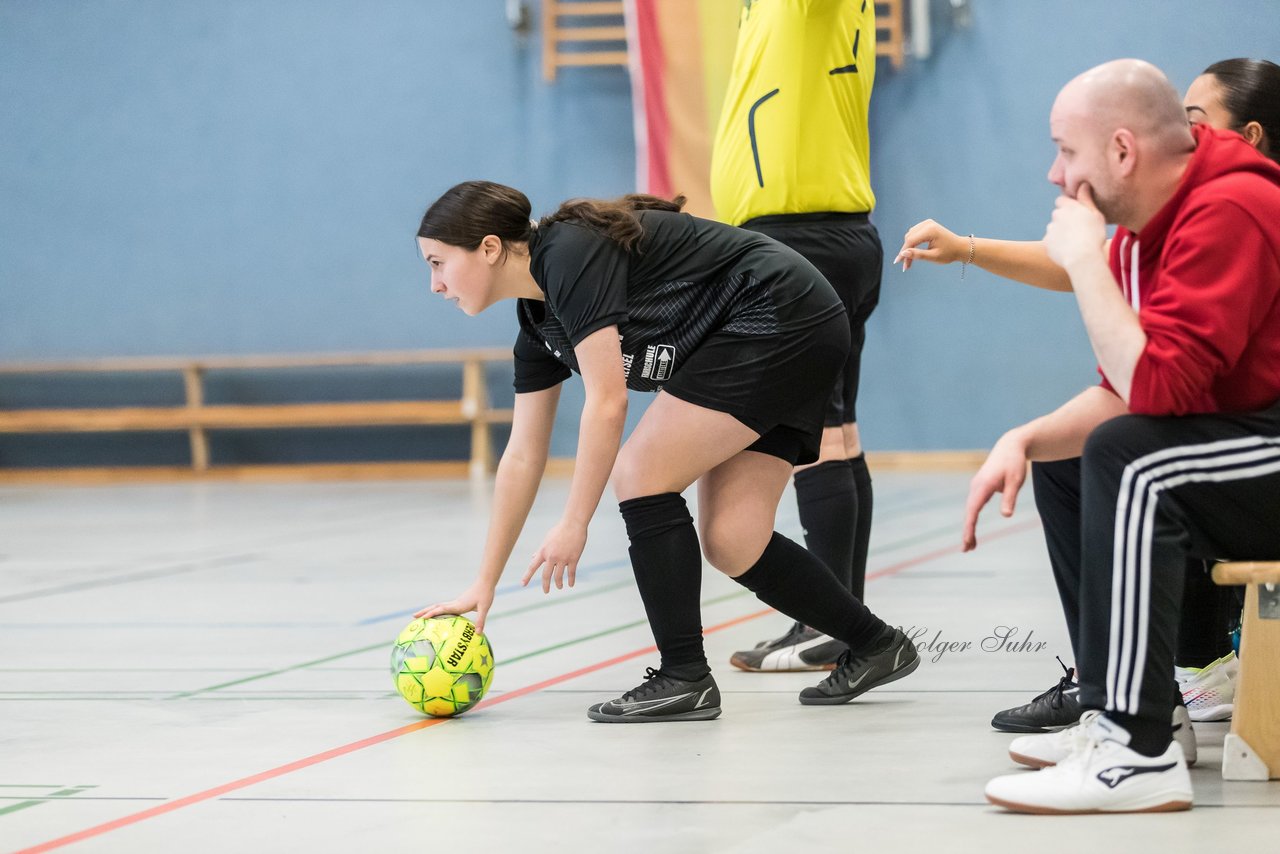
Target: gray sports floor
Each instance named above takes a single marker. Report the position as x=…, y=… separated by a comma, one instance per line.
x=204, y=668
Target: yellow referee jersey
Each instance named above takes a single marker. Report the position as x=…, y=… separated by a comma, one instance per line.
x=793, y=135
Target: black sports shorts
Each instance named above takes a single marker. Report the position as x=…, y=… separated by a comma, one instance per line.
x=778, y=385
x=845, y=247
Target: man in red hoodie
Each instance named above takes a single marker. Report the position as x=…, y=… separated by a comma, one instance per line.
x=1176, y=452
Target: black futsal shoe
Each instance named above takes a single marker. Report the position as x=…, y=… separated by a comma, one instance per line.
x=661, y=698
x=891, y=657
x=1053, y=710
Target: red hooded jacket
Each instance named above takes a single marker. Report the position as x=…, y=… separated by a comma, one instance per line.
x=1204, y=276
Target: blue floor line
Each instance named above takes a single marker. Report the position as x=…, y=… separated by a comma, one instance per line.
x=513, y=587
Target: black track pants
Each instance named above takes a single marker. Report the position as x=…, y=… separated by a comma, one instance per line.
x=1121, y=522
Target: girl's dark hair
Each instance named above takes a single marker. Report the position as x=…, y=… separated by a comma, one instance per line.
x=469, y=211
x=466, y=213
x=616, y=219
x=1251, y=93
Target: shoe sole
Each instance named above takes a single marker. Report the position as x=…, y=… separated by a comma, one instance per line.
x=739, y=663
x=1030, y=761
x=1168, y=806
x=1215, y=713
x=905, y=670
x=1033, y=762
x=695, y=715
x=1027, y=729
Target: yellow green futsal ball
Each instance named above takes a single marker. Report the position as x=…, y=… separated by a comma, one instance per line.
x=442, y=666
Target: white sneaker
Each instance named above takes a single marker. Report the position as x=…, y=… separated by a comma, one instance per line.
x=1101, y=775
x=1050, y=748
x=1184, y=736
x=1209, y=692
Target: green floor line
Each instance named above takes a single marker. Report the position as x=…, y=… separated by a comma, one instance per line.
x=64, y=793
x=574, y=641
x=383, y=644
x=289, y=669
x=611, y=631
x=533, y=607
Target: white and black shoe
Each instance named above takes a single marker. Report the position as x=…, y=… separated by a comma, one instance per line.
x=1100, y=775
x=1043, y=751
x=801, y=648
x=1055, y=709
x=892, y=657
x=661, y=698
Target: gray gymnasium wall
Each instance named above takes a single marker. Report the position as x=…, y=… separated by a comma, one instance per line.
x=245, y=176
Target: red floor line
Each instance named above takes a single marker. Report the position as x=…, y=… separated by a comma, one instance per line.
x=244, y=782
x=894, y=569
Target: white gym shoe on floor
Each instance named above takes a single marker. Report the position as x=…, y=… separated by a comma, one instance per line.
x=1050, y=748
x=1209, y=692
x=1100, y=775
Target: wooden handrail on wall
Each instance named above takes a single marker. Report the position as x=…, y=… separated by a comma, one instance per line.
x=197, y=417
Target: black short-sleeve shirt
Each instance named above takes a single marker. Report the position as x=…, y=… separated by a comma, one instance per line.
x=687, y=278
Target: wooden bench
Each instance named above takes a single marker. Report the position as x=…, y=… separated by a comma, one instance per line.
x=197, y=417
x=1252, y=748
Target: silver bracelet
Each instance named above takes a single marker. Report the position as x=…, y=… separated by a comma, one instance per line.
x=965, y=264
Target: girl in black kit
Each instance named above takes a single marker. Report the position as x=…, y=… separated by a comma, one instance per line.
x=741, y=338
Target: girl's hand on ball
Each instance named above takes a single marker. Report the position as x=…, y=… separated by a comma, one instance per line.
x=559, y=555
x=929, y=241
x=478, y=597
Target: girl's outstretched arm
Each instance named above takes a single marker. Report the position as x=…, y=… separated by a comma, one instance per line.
x=604, y=416
x=515, y=486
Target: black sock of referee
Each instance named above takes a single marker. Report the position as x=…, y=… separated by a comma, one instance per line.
x=862, y=525
x=828, y=503
x=667, y=563
x=795, y=582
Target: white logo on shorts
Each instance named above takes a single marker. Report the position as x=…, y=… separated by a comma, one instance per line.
x=659, y=360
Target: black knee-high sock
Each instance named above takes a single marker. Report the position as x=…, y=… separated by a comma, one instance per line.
x=828, y=503
x=667, y=563
x=862, y=525
x=796, y=583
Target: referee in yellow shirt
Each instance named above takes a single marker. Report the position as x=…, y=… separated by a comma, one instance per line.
x=791, y=160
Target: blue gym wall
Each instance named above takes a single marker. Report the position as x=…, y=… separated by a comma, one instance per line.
x=245, y=176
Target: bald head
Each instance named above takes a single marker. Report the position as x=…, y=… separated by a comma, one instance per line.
x=1120, y=129
x=1130, y=94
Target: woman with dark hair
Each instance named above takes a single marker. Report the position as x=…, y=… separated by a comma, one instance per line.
x=1241, y=95
x=740, y=337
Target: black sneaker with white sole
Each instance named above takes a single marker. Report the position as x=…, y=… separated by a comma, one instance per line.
x=661, y=698
x=801, y=648
x=1055, y=709
x=890, y=658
